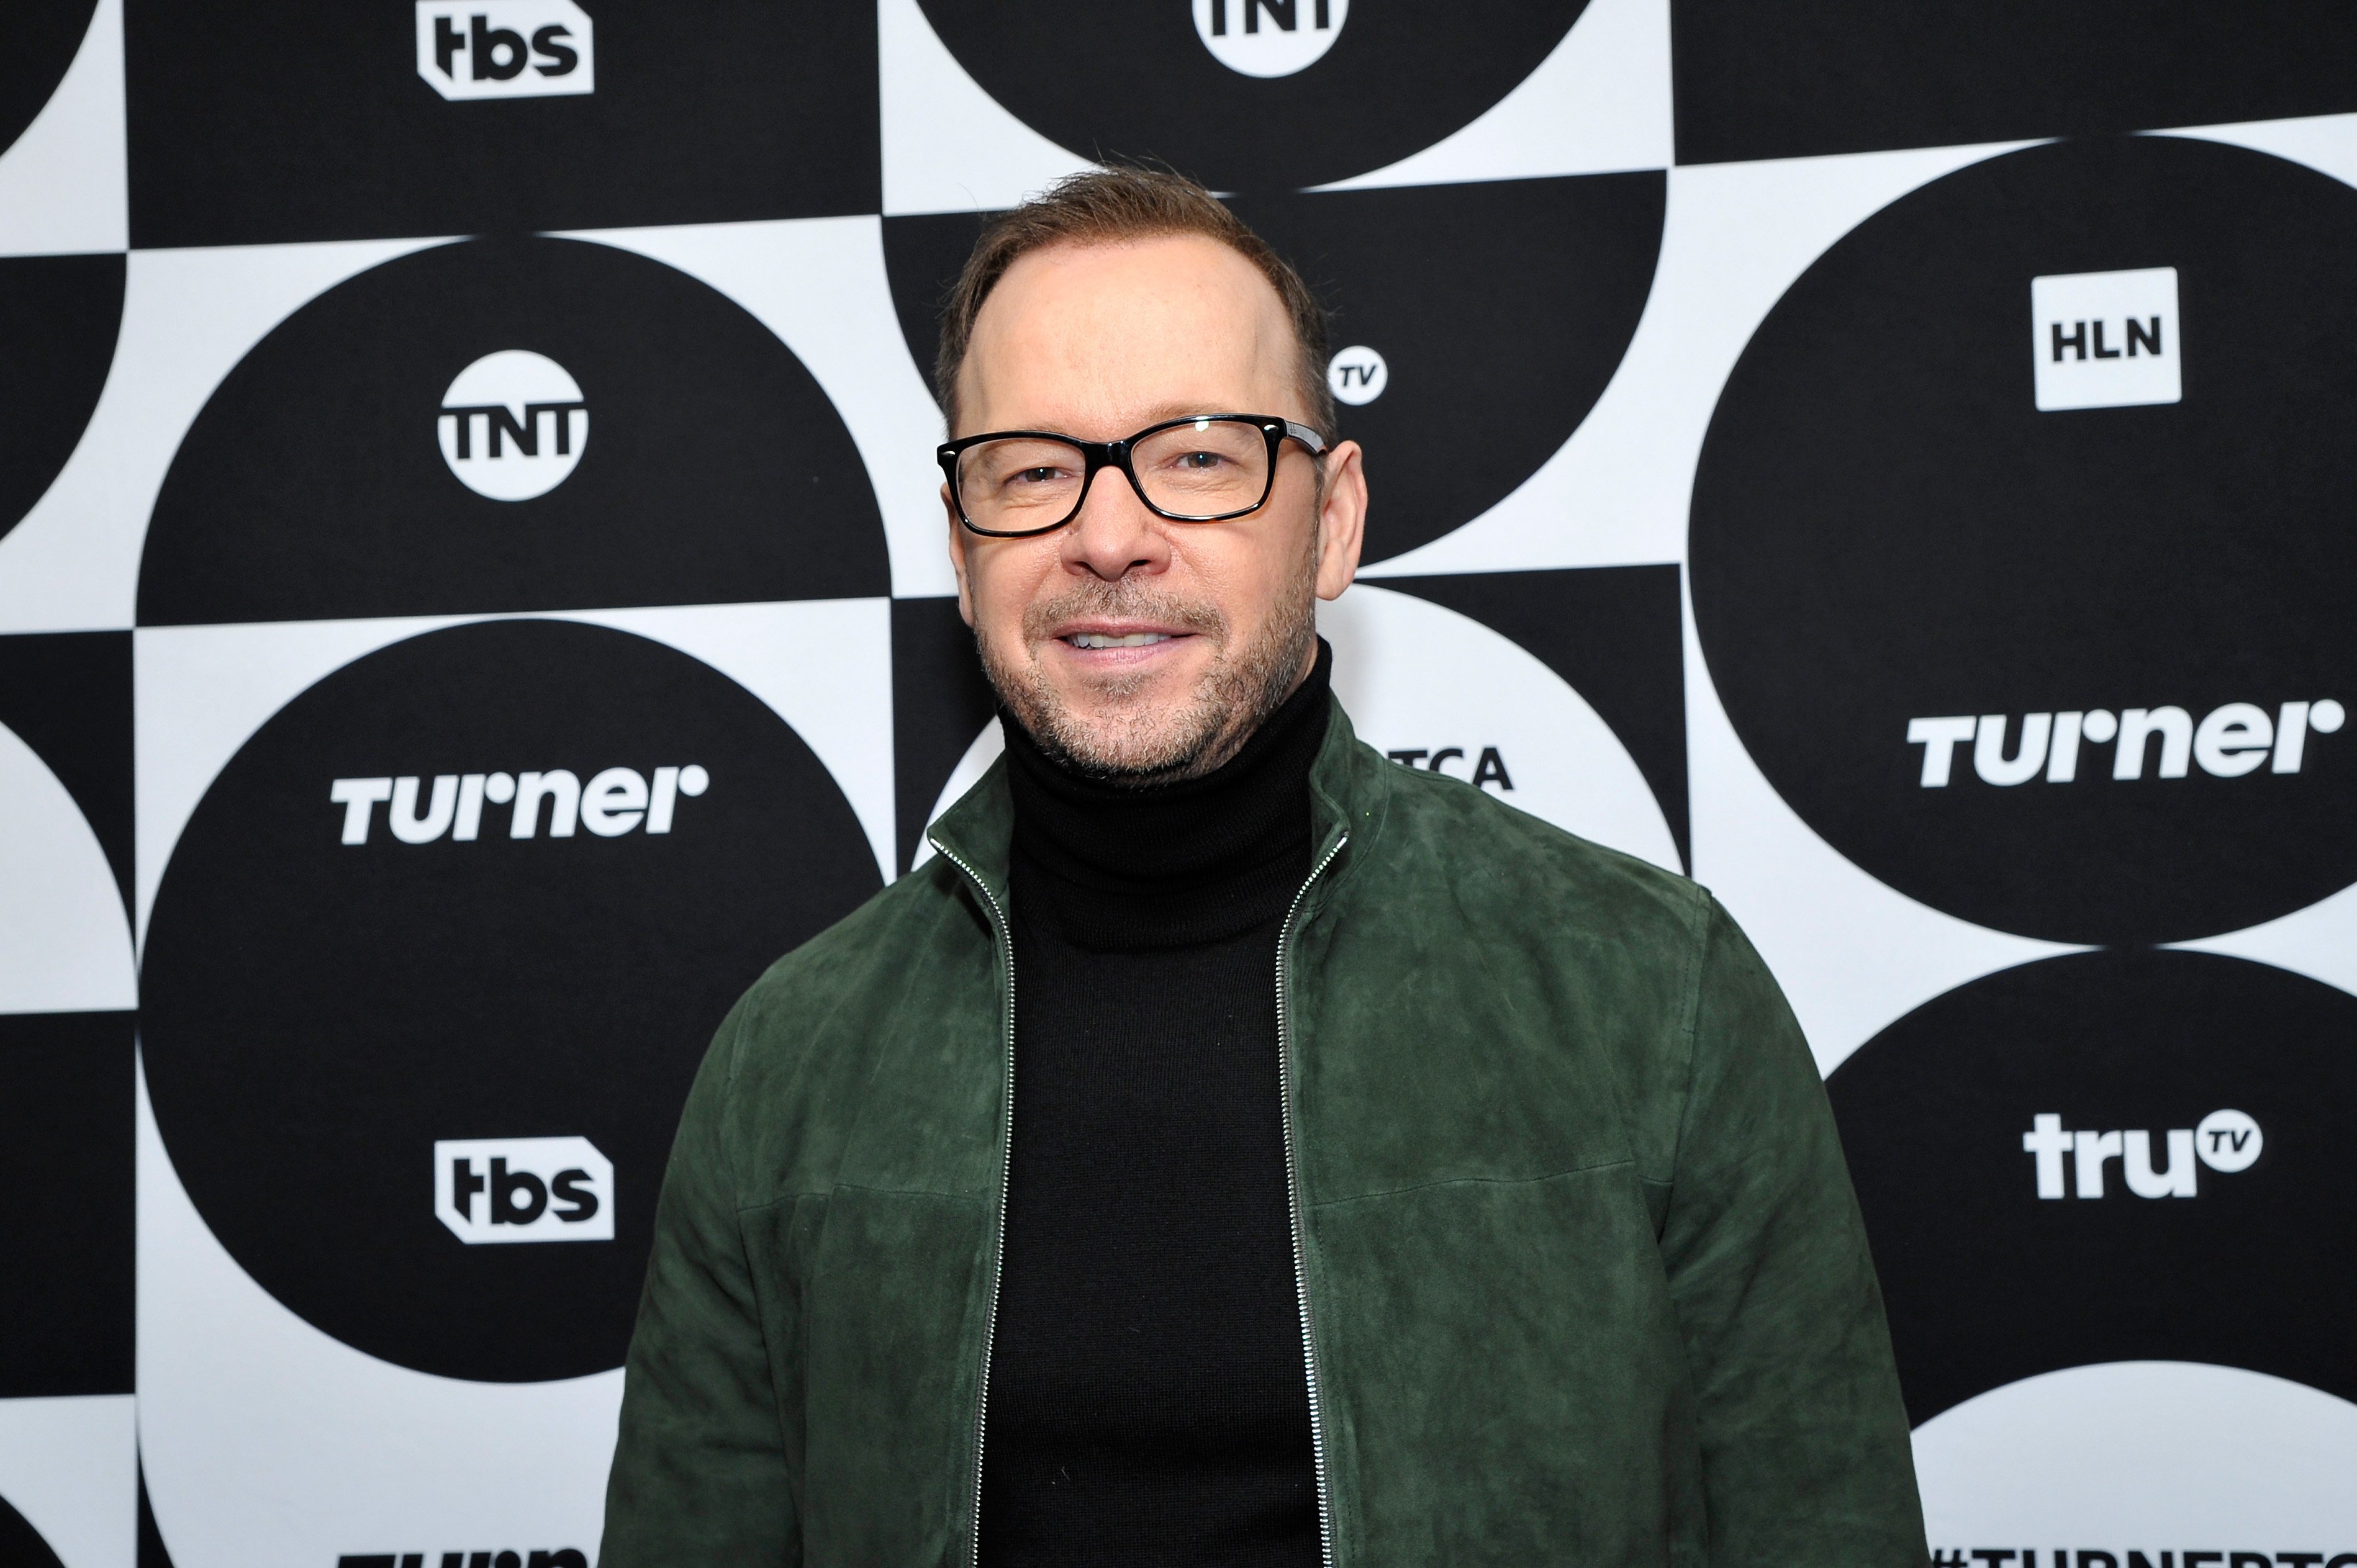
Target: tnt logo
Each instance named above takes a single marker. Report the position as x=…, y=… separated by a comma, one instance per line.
x=513, y=426
x=2225, y=1140
x=523, y=1189
x=1358, y=375
x=1269, y=37
x=2105, y=340
x=505, y=48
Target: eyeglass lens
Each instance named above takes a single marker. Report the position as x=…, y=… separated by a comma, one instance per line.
x=1204, y=468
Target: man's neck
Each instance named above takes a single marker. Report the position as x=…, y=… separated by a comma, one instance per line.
x=1108, y=865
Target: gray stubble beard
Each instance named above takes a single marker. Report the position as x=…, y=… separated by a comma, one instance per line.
x=1233, y=698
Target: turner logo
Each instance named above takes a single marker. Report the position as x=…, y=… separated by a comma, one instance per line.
x=1358, y=375
x=1269, y=37
x=2105, y=340
x=505, y=48
x=2231, y=741
x=513, y=426
x=2225, y=1140
x=615, y=802
x=523, y=1189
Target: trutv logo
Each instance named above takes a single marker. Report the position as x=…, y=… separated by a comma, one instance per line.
x=523, y=1189
x=614, y=803
x=505, y=48
x=2232, y=740
x=2105, y=340
x=1269, y=37
x=2225, y=1140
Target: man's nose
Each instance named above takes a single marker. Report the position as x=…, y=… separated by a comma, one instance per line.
x=1114, y=534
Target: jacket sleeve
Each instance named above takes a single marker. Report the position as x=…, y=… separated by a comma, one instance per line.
x=700, y=1474
x=1805, y=1439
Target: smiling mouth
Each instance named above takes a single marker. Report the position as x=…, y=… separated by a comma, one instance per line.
x=1106, y=639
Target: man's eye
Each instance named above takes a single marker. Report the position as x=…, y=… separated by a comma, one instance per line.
x=1037, y=475
x=1199, y=461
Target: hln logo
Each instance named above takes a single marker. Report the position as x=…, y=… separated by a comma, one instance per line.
x=614, y=803
x=1269, y=37
x=2105, y=340
x=523, y=1189
x=513, y=426
x=2225, y=1140
x=2233, y=739
x=505, y=48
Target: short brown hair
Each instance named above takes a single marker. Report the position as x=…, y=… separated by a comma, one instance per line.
x=1107, y=206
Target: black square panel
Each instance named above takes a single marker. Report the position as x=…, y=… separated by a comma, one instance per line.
x=274, y=120
x=1772, y=79
x=65, y=1080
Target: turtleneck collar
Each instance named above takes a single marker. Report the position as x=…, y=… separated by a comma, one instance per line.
x=1108, y=869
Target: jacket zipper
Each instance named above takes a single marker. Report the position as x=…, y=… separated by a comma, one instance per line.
x=1293, y=1214
x=1006, y=1169
x=1292, y=1194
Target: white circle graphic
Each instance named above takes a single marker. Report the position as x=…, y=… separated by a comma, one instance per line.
x=1269, y=37
x=1358, y=375
x=1441, y=692
x=2228, y=1140
x=513, y=426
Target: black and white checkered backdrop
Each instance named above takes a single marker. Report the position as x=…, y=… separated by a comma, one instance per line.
x=472, y=590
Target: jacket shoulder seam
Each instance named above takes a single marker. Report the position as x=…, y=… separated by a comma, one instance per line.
x=1700, y=924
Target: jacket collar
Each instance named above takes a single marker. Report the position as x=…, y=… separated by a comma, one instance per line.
x=1348, y=792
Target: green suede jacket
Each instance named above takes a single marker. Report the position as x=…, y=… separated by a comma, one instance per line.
x=1582, y=1277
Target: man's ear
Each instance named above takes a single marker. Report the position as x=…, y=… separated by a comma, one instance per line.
x=1341, y=519
x=957, y=557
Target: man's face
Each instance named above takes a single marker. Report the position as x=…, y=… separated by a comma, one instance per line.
x=1212, y=622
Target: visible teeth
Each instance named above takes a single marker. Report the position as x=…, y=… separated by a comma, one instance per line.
x=1134, y=639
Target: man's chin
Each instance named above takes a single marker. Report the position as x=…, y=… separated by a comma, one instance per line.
x=1138, y=743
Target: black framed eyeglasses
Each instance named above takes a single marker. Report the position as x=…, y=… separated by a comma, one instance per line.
x=1204, y=467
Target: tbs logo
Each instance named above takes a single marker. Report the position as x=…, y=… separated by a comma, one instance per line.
x=2226, y=1141
x=523, y=1189
x=513, y=426
x=505, y=48
x=2105, y=340
x=1269, y=37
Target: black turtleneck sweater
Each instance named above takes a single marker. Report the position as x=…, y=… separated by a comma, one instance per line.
x=1148, y=1404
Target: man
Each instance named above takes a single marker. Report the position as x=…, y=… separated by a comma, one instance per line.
x=1232, y=1147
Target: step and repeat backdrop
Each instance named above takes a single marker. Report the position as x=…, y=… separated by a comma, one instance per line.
x=472, y=591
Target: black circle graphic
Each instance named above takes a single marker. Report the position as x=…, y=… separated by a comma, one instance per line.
x=21, y=1545
x=1986, y=1282
x=1887, y=529
x=43, y=38
x=1502, y=308
x=313, y=485
x=318, y=1014
x=59, y=315
x=1138, y=81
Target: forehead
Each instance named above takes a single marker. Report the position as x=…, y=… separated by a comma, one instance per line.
x=1112, y=330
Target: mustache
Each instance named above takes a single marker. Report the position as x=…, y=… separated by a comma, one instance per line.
x=1125, y=600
